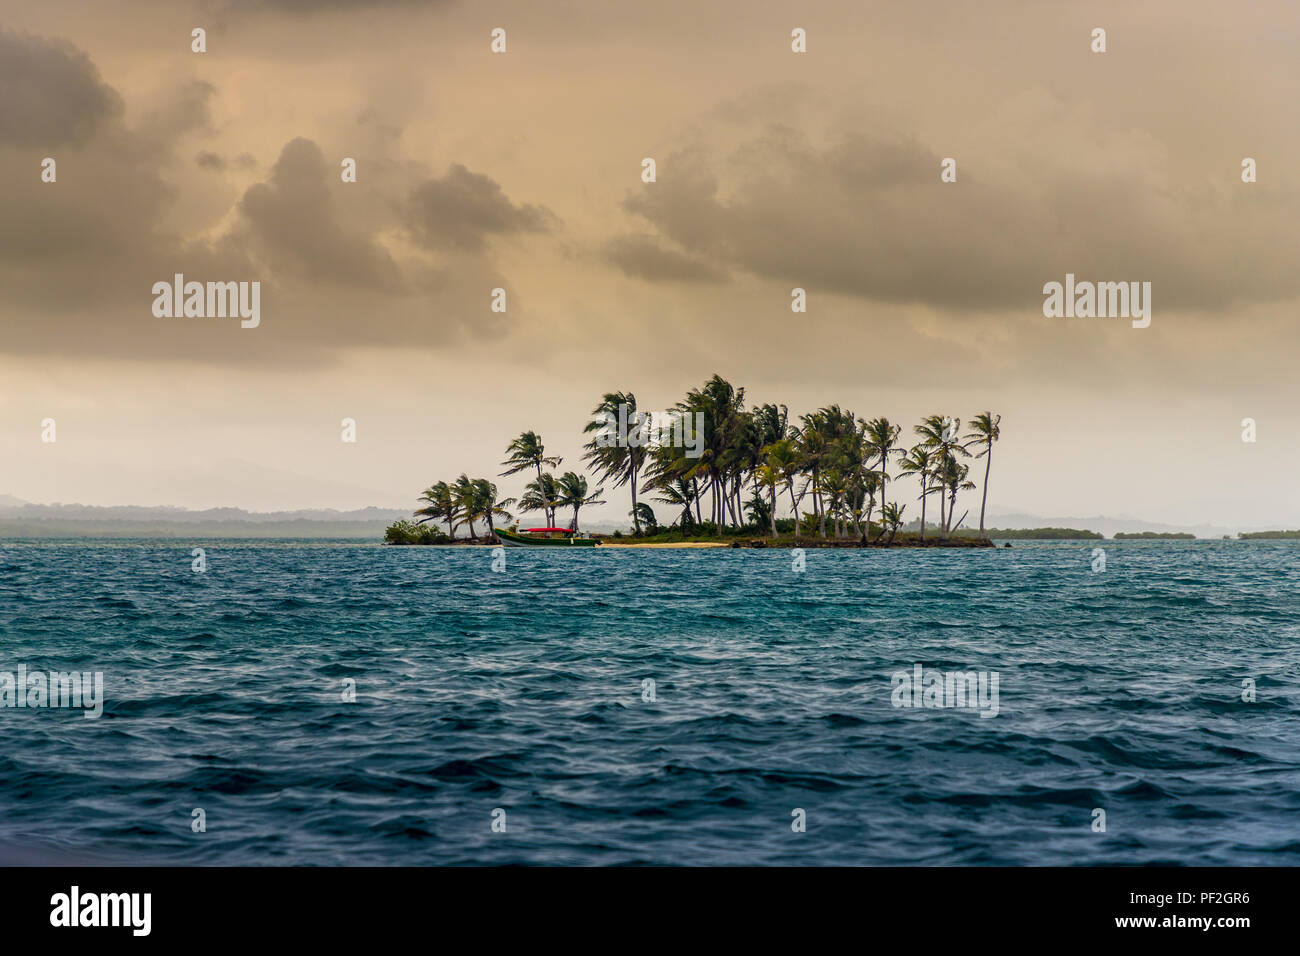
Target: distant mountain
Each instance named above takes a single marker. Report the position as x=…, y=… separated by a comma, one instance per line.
x=19, y=519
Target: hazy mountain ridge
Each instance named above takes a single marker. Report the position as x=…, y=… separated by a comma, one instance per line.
x=19, y=518
x=23, y=519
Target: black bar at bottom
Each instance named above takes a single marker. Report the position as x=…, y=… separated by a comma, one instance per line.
x=604, y=906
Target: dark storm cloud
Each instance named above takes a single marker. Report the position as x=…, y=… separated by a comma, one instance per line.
x=462, y=209
x=50, y=93
x=291, y=222
x=871, y=219
x=79, y=256
x=188, y=110
x=644, y=257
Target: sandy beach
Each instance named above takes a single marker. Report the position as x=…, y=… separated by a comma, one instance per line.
x=670, y=544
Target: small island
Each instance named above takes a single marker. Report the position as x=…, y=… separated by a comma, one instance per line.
x=724, y=471
x=1154, y=535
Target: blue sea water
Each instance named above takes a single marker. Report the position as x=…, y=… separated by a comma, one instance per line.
x=522, y=691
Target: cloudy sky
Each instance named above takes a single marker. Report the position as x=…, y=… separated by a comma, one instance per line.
x=522, y=171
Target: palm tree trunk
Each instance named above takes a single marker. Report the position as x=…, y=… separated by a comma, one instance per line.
x=923, y=497
x=988, y=460
x=772, y=501
x=943, y=523
x=636, y=521
x=819, y=506
x=549, y=513
x=883, y=478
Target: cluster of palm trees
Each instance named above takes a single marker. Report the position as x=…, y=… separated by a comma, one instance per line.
x=468, y=500
x=546, y=492
x=463, y=502
x=835, y=462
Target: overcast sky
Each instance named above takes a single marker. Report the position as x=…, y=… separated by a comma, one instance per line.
x=522, y=171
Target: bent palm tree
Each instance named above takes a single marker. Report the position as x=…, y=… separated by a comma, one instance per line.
x=477, y=498
x=615, y=457
x=542, y=494
x=488, y=505
x=939, y=433
x=572, y=489
x=880, y=437
x=646, y=515
x=527, y=451
x=441, y=506
x=985, y=431
x=918, y=461
x=680, y=492
x=891, y=516
x=462, y=492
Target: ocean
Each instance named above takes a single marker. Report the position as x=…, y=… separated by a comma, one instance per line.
x=328, y=703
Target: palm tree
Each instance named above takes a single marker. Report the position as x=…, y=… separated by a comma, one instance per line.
x=572, y=489
x=864, y=502
x=441, y=506
x=835, y=486
x=939, y=433
x=813, y=451
x=488, y=505
x=985, y=431
x=462, y=493
x=526, y=452
x=680, y=492
x=918, y=461
x=611, y=457
x=720, y=407
x=477, y=500
x=758, y=509
x=784, y=458
x=880, y=437
x=891, y=516
x=647, y=517
x=954, y=478
x=542, y=494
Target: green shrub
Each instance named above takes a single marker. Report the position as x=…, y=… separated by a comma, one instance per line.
x=405, y=531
